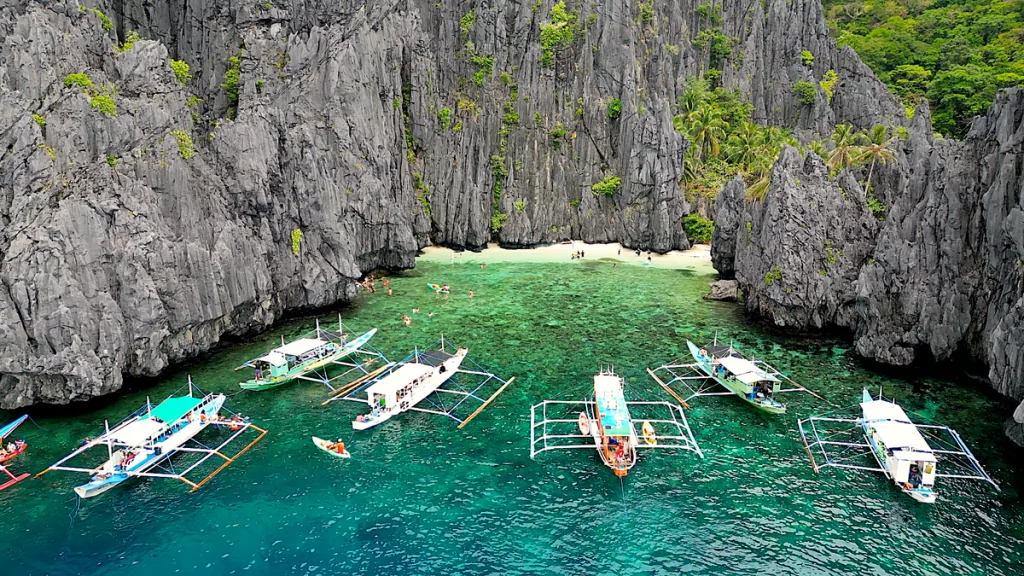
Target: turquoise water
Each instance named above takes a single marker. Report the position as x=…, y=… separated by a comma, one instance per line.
x=422, y=497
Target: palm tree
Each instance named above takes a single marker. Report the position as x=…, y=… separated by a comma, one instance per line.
x=759, y=187
x=818, y=147
x=745, y=145
x=707, y=130
x=845, y=149
x=878, y=148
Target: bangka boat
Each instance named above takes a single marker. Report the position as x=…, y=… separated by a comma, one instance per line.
x=303, y=356
x=725, y=367
x=607, y=425
x=19, y=447
x=434, y=381
x=896, y=445
x=143, y=444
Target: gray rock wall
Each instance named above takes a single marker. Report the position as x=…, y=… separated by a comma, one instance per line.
x=119, y=255
x=942, y=273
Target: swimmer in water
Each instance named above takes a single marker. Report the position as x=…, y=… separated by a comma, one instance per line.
x=415, y=310
x=484, y=265
x=430, y=314
x=470, y=293
x=389, y=291
x=406, y=320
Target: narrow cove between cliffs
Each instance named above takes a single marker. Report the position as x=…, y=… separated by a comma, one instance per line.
x=422, y=497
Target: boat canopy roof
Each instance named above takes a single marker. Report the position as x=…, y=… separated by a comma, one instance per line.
x=274, y=359
x=721, y=351
x=745, y=370
x=172, y=409
x=612, y=405
x=896, y=431
x=136, y=433
x=433, y=357
x=398, y=379
x=10, y=427
x=299, y=347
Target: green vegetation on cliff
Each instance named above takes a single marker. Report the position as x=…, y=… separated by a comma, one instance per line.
x=957, y=53
x=724, y=142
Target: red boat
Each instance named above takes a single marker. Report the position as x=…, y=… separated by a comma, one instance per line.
x=19, y=447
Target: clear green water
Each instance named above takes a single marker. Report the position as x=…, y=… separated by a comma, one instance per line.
x=421, y=497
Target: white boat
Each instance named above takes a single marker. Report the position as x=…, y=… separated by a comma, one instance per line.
x=331, y=447
x=407, y=384
x=896, y=444
x=435, y=381
x=142, y=444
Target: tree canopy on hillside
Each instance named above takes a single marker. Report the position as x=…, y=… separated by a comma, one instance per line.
x=957, y=53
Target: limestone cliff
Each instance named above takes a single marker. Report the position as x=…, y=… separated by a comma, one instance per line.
x=142, y=217
x=937, y=274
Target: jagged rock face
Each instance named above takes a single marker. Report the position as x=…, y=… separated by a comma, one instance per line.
x=942, y=274
x=119, y=254
x=798, y=252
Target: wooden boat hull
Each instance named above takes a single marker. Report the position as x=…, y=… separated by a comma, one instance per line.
x=322, y=444
x=271, y=383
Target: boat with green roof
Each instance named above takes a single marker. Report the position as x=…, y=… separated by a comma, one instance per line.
x=717, y=370
x=294, y=360
x=142, y=444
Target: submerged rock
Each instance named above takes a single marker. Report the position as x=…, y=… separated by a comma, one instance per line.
x=723, y=290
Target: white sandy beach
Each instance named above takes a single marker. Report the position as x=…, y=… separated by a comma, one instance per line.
x=697, y=258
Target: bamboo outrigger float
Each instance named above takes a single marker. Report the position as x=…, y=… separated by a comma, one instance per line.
x=145, y=443
x=723, y=371
x=309, y=357
x=435, y=381
x=885, y=435
x=607, y=425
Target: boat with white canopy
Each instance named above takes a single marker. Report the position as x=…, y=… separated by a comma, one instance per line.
x=435, y=381
x=307, y=358
x=897, y=446
x=723, y=371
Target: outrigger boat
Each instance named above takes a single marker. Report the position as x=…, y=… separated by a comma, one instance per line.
x=607, y=425
x=897, y=446
x=19, y=447
x=754, y=381
x=417, y=383
x=143, y=444
x=295, y=360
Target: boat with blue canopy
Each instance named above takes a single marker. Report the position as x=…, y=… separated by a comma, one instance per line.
x=606, y=422
x=146, y=443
